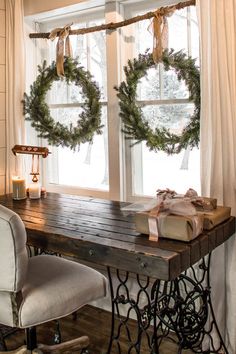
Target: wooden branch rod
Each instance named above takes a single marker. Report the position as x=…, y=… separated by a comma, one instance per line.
x=112, y=26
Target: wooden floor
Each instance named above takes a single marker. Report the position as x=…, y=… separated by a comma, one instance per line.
x=91, y=321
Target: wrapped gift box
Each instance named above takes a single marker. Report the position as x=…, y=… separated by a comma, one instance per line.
x=183, y=228
x=208, y=203
x=215, y=217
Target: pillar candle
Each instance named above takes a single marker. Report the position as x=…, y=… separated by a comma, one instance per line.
x=34, y=190
x=18, y=188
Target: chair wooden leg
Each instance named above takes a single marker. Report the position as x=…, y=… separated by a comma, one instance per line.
x=33, y=348
x=21, y=350
x=77, y=343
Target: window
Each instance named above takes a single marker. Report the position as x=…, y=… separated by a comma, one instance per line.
x=86, y=167
x=109, y=167
x=165, y=102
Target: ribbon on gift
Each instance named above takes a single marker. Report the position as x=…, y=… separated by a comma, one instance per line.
x=191, y=195
x=180, y=207
x=63, y=46
x=153, y=223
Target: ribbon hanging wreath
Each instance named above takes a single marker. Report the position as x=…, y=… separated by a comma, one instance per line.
x=160, y=32
x=63, y=46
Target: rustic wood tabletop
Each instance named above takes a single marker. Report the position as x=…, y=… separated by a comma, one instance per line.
x=98, y=231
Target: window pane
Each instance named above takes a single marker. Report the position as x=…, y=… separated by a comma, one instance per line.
x=144, y=32
x=61, y=93
x=171, y=116
x=172, y=87
x=86, y=167
x=161, y=84
x=149, y=86
x=178, y=30
x=159, y=170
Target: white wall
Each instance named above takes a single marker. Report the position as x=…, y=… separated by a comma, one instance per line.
x=32, y=7
x=37, y=6
x=2, y=96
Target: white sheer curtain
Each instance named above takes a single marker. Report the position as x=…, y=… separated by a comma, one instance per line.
x=15, y=84
x=217, y=24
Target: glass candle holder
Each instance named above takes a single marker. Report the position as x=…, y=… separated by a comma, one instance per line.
x=35, y=190
x=18, y=188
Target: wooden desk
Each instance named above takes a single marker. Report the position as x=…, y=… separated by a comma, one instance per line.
x=98, y=231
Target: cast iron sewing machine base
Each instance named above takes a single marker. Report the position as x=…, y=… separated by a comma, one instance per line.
x=182, y=307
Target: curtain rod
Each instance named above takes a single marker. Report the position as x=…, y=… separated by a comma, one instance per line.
x=112, y=26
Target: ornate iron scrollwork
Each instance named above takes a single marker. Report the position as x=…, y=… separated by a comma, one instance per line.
x=180, y=310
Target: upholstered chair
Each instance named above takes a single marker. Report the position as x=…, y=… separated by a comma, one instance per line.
x=35, y=290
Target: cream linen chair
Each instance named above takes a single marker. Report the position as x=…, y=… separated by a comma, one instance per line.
x=41, y=288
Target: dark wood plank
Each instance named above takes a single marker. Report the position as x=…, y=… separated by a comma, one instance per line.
x=43, y=206
x=151, y=261
x=182, y=248
x=229, y=228
x=211, y=239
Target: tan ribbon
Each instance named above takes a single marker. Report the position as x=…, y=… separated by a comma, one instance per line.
x=160, y=33
x=169, y=202
x=167, y=206
x=153, y=223
x=162, y=195
x=63, y=46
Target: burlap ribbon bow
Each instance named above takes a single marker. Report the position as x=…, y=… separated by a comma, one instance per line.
x=63, y=46
x=160, y=32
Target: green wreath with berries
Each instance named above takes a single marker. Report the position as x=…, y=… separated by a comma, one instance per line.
x=37, y=111
x=135, y=126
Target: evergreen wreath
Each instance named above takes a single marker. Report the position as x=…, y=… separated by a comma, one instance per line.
x=37, y=111
x=135, y=126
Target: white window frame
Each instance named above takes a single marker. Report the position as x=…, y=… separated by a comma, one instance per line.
x=112, y=14
x=119, y=153
x=130, y=182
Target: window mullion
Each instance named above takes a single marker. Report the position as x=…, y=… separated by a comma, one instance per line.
x=88, y=50
x=161, y=81
x=133, y=167
x=112, y=14
x=189, y=31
